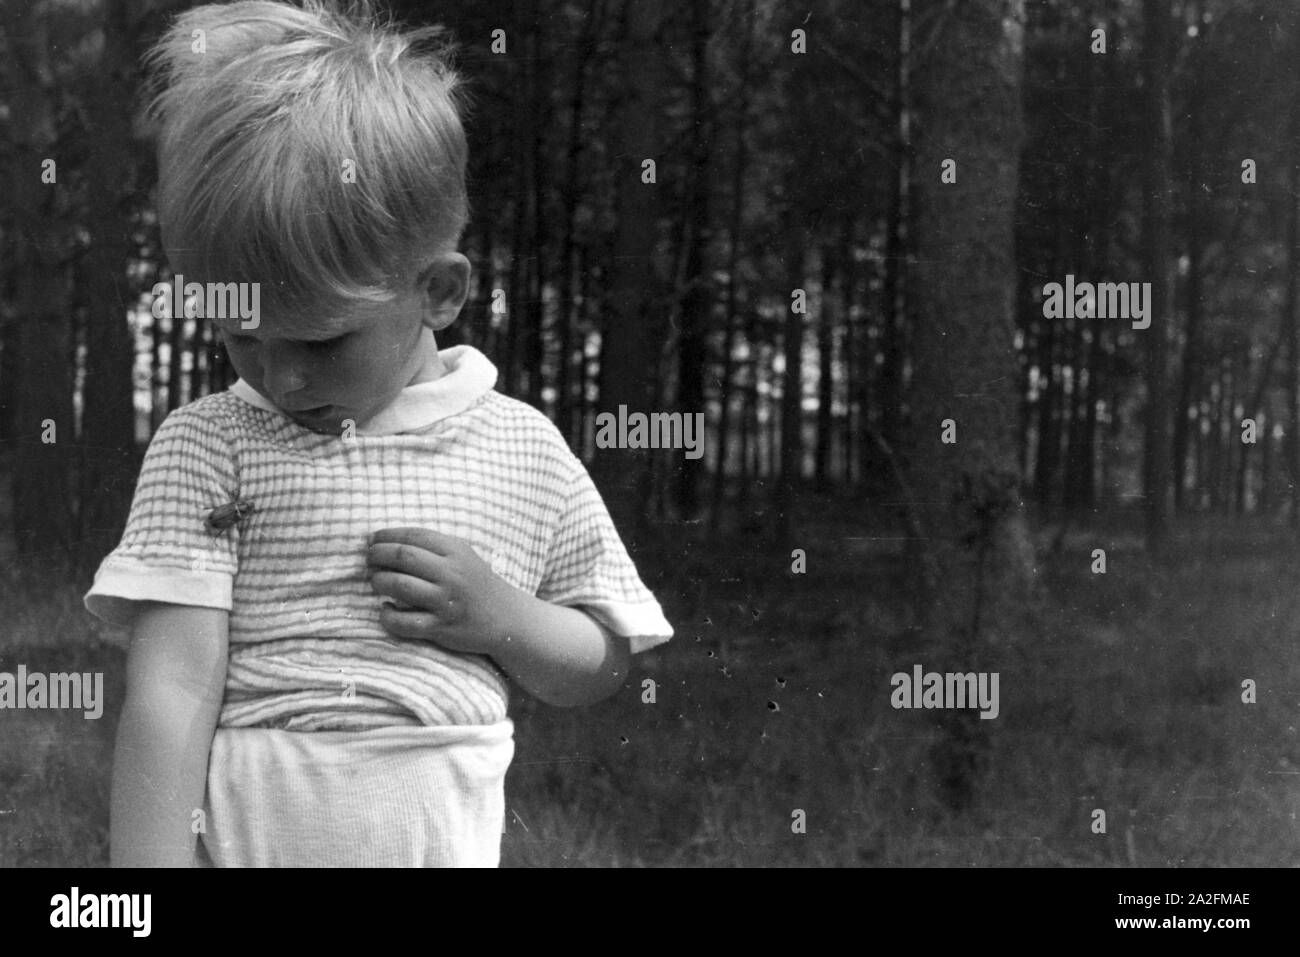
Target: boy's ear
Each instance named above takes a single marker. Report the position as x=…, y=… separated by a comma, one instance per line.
x=445, y=286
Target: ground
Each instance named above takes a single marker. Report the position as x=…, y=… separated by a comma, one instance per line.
x=1119, y=691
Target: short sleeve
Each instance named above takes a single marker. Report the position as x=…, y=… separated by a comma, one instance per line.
x=167, y=553
x=589, y=567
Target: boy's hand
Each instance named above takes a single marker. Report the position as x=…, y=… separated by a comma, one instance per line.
x=444, y=592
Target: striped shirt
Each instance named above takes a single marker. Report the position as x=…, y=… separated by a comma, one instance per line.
x=307, y=652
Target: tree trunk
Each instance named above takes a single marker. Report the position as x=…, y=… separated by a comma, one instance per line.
x=1218, y=464
x=749, y=409
x=517, y=280
x=1258, y=398
x=1293, y=350
x=1048, y=454
x=1078, y=462
x=157, y=395
x=1229, y=434
x=853, y=357
x=697, y=297
x=1236, y=447
x=43, y=431
x=1046, y=462
x=9, y=370
x=535, y=342
x=1155, y=249
x=42, y=427
x=975, y=566
x=889, y=383
x=1191, y=372
x=200, y=360
x=637, y=277
x=825, y=367
x=1111, y=447
x=589, y=366
x=1103, y=218
x=791, y=458
x=730, y=317
x=1198, y=443
x=107, y=441
x=1291, y=313
x=772, y=408
x=567, y=406
x=175, y=353
x=480, y=332
x=1264, y=503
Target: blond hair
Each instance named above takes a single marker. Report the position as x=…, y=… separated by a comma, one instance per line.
x=258, y=107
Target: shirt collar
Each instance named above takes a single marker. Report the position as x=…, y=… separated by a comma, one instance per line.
x=470, y=375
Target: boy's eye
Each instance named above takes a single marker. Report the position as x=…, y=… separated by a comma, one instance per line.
x=327, y=343
x=315, y=344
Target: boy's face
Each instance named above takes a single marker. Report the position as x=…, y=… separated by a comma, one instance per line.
x=323, y=369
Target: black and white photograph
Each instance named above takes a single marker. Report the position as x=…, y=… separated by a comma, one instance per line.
x=612, y=434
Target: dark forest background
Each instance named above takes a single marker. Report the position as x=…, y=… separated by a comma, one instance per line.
x=797, y=148
x=800, y=271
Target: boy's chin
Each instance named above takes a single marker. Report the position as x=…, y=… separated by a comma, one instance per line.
x=328, y=419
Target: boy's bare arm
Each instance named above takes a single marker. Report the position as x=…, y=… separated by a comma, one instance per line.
x=176, y=674
x=452, y=597
x=561, y=655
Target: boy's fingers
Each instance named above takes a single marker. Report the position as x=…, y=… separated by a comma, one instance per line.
x=409, y=559
x=407, y=589
x=407, y=624
x=425, y=538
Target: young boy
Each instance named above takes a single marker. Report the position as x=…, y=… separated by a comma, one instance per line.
x=330, y=569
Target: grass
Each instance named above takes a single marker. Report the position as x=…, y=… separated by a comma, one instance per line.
x=1119, y=691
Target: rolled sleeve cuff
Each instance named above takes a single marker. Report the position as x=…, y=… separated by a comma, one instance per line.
x=644, y=625
x=120, y=583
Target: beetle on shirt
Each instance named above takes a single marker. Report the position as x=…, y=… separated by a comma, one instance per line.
x=224, y=516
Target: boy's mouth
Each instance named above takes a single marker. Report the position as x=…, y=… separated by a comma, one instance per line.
x=315, y=412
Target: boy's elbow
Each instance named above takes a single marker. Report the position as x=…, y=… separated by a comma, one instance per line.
x=614, y=668
x=601, y=684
